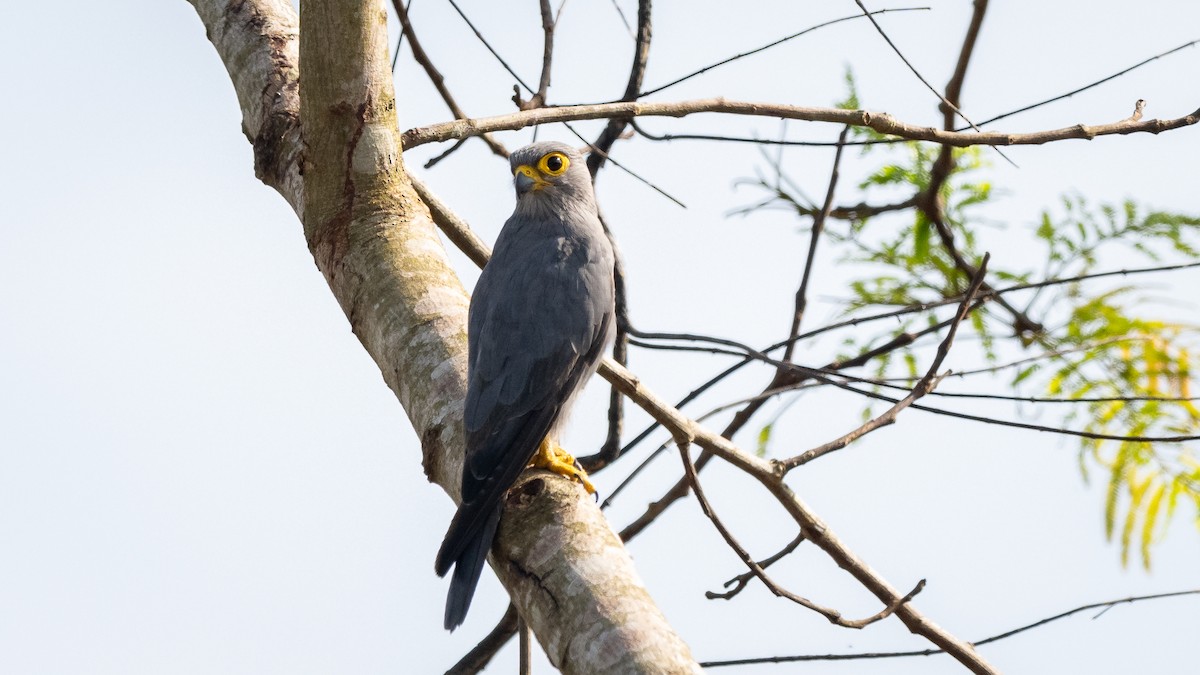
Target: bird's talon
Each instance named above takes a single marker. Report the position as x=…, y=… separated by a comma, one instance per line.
x=554, y=459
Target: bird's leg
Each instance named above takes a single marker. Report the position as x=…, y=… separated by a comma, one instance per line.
x=551, y=457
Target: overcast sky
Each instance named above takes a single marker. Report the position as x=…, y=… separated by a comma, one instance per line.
x=201, y=470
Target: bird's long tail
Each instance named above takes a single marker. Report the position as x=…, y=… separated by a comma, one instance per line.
x=467, y=568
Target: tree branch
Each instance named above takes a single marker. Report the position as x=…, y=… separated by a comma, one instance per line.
x=481, y=654
x=815, y=236
x=637, y=71
x=880, y=122
x=439, y=82
x=929, y=652
x=739, y=582
x=776, y=43
x=548, y=24
x=816, y=530
x=834, y=616
x=257, y=43
x=373, y=239
x=923, y=387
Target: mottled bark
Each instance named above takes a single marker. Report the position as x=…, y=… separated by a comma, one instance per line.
x=374, y=241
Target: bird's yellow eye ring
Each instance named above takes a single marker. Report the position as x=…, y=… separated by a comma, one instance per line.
x=554, y=164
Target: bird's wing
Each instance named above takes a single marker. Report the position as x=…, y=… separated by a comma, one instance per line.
x=539, y=322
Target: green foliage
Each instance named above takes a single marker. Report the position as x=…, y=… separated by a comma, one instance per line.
x=1090, y=342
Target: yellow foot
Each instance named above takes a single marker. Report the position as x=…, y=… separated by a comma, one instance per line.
x=553, y=458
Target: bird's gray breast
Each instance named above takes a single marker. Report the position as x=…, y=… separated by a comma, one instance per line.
x=539, y=317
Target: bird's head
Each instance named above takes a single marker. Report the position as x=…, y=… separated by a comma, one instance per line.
x=550, y=171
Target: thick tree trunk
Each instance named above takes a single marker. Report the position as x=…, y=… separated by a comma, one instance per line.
x=374, y=241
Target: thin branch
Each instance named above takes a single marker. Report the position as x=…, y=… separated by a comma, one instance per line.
x=863, y=210
x=1084, y=88
x=989, y=293
x=950, y=106
x=624, y=21
x=954, y=87
x=990, y=120
x=880, y=122
x=1026, y=399
x=739, y=582
x=548, y=24
x=815, y=236
x=1021, y=425
x=776, y=43
x=924, y=386
x=755, y=140
x=481, y=654
x=525, y=649
x=400, y=39
x=684, y=429
x=932, y=202
x=637, y=71
x=455, y=229
x=834, y=616
x=439, y=82
x=1096, y=605
x=611, y=449
x=798, y=373
x=742, y=417
x=930, y=652
x=598, y=152
x=488, y=45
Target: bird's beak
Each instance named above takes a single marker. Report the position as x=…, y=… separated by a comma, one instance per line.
x=526, y=178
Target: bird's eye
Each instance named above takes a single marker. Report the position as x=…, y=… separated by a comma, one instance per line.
x=554, y=164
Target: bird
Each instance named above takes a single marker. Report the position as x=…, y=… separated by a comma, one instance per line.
x=540, y=319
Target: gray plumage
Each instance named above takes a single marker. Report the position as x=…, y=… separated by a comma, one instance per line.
x=540, y=318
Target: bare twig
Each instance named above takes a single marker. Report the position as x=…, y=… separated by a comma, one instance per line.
x=624, y=21
x=794, y=375
x=488, y=46
x=755, y=140
x=776, y=43
x=637, y=71
x=525, y=649
x=924, y=386
x=400, y=39
x=880, y=122
x=815, y=529
x=455, y=229
x=548, y=24
x=439, y=82
x=932, y=202
x=1183, y=438
x=598, y=152
x=948, y=105
x=987, y=294
x=480, y=655
x=1084, y=88
x=863, y=210
x=834, y=616
x=739, y=582
x=815, y=236
x=930, y=652
x=646, y=133
x=611, y=449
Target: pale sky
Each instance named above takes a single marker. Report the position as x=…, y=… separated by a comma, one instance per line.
x=201, y=470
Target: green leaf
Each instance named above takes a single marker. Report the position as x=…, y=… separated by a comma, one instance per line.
x=1149, y=520
x=764, y=439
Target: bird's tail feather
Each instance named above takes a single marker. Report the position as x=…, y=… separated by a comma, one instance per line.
x=467, y=569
